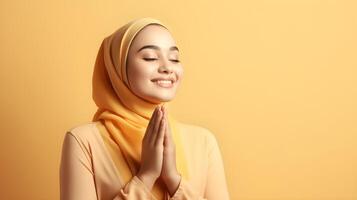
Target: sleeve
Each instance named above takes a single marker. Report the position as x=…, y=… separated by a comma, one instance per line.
x=135, y=189
x=216, y=186
x=185, y=192
x=77, y=176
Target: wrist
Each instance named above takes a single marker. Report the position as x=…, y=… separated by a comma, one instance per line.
x=171, y=177
x=147, y=179
x=172, y=183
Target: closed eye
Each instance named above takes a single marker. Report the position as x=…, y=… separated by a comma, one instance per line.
x=152, y=59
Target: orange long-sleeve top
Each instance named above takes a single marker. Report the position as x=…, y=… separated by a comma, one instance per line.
x=88, y=171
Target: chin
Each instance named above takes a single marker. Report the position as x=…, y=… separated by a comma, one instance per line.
x=165, y=99
x=160, y=99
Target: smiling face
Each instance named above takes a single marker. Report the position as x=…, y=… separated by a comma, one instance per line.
x=153, y=66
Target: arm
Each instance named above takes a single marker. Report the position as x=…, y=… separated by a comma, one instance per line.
x=216, y=187
x=77, y=176
x=185, y=192
x=135, y=189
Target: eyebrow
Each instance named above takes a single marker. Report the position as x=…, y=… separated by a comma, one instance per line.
x=157, y=48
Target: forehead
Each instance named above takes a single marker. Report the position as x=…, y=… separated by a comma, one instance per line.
x=153, y=35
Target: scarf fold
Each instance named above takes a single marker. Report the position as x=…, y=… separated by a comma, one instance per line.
x=123, y=116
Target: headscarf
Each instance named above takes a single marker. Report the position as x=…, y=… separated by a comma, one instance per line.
x=123, y=115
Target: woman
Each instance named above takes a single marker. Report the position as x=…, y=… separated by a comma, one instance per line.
x=133, y=148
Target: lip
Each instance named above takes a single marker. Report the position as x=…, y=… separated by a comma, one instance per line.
x=163, y=85
x=172, y=79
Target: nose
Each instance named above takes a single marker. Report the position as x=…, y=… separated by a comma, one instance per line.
x=165, y=66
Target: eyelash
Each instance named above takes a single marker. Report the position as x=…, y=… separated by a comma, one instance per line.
x=152, y=59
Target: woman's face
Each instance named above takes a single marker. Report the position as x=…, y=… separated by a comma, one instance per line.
x=153, y=66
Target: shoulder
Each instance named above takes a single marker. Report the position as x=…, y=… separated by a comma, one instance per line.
x=198, y=132
x=196, y=129
x=83, y=133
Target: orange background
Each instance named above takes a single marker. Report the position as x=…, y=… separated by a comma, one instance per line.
x=274, y=80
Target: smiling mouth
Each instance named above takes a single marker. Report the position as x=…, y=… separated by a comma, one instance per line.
x=164, y=83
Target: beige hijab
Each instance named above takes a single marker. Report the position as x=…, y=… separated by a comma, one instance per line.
x=124, y=116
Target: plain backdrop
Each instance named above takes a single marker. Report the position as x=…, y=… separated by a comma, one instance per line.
x=274, y=80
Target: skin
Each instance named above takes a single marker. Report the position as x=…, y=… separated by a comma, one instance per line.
x=158, y=157
x=141, y=70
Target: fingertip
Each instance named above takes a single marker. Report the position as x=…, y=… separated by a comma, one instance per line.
x=160, y=113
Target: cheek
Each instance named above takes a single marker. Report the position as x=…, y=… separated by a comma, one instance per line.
x=180, y=72
x=140, y=73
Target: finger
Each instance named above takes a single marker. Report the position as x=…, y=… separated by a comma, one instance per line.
x=160, y=136
x=169, y=132
x=166, y=136
x=166, y=114
x=154, y=115
x=167, y=119
x=167, y=124
x=156, y=126
x=151, y=122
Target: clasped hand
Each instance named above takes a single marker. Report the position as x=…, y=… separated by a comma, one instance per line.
x=158, y=156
